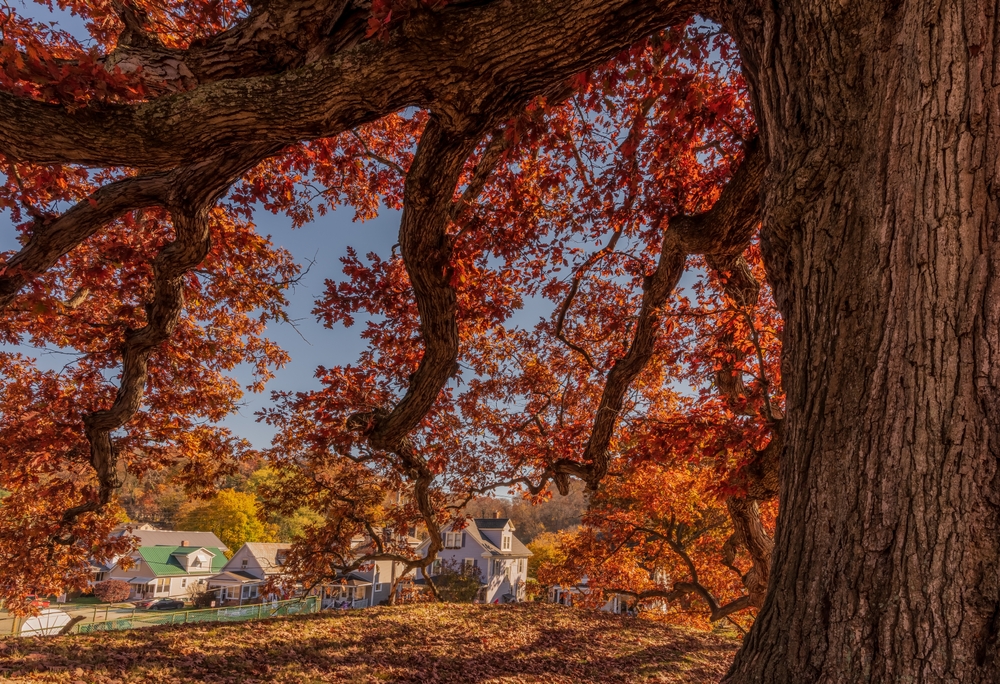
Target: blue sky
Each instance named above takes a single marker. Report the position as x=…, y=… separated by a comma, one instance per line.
x=309, y=343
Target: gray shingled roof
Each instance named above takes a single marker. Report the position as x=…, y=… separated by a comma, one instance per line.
x=474, y=531
x=173, y=538
x=516, y=547
x=491, y=523
x=266, y=554
x=234, y=576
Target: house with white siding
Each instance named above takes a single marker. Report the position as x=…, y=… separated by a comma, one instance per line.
x=489, y=545
x=581, y=593
x=149, y=536
x=255, y=563
x=164, y=571
x=248, y=570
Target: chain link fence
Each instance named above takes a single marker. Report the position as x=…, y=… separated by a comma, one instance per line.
x=107, y=621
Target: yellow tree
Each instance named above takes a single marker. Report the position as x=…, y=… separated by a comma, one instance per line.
x=233, y=516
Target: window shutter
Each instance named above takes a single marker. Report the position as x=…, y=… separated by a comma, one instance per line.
x=463, y=540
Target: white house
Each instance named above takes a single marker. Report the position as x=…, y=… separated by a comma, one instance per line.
x=255, y=563
x=369, y=585
x=169, y=571
x=489, y=545
x=569, y=595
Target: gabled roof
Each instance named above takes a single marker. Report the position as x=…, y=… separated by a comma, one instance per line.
x=491, y=523
x=173, y=538
x=517, y=549
x=161, y=561
x=234, y=577
x=187, y=550
x=266, y=554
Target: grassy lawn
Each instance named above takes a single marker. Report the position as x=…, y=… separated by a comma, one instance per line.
x=79, y=601
x=423, y=643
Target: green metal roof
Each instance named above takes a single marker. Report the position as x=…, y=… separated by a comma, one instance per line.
x=185, y=550
x=161, y=561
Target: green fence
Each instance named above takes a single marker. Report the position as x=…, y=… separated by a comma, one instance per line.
x=259, y=611
x=135, y=619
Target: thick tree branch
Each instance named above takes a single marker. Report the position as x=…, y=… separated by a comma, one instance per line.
x=457, y=61
x=53, y=238
x=187, y=250
x=750, y=533
x=723, y=230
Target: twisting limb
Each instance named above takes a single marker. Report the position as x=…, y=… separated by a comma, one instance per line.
x=53, y=238
x=189, y=207
x=722, y=231
x=488, y=161
x=674, y=540
x=303, y=70
x=189, y=247
x=424, y=245
x=750, y=533
x=655, y=292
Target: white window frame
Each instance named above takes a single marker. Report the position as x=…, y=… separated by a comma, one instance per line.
x=468, y=563
x=505, y=542
x=184, y=582
x=520, y=565
x=161, y=587
x=452, y=540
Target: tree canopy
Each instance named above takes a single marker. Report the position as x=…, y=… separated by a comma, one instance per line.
x=582, y=154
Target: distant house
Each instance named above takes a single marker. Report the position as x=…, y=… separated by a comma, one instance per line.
x=149, y=536
x=246, y=572
x=369, y=586
x=164, y=571
x=489, y=545
x=255, y=563
x=570, y=595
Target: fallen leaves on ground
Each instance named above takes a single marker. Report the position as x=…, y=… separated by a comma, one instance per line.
x=417, y=643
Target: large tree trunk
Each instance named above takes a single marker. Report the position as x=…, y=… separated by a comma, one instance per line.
x=881, y=239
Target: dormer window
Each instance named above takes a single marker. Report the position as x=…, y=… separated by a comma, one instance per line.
x=505, y=544
x=244, y=565
x=279, y=557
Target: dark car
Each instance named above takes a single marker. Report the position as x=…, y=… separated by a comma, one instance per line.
x=165, y=604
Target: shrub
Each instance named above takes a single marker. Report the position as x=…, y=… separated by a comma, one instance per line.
x=112, y=591
x=457, y=583
x=204, y=599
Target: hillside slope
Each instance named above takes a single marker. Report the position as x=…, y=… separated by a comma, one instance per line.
x=422, y=643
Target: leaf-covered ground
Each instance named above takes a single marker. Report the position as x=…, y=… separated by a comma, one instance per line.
x=420, y=643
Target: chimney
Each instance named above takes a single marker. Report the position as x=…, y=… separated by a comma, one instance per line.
x=496, y=514
x=184, y=543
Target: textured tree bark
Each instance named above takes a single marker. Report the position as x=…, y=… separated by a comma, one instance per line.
x=882, y=122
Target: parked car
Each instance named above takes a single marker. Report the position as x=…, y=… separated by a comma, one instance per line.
x=144, y=603
x=165, y=604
